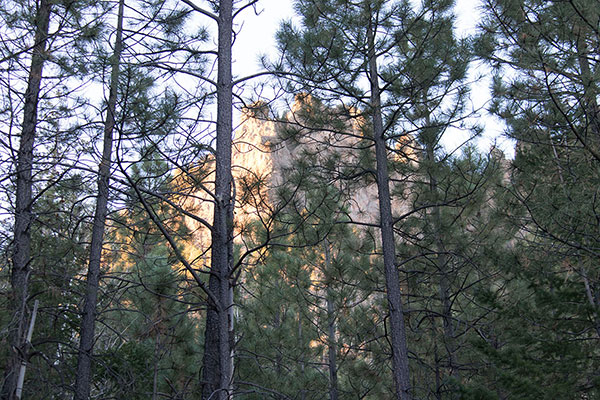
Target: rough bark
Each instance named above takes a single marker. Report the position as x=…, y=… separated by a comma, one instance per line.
x=21, y=256
x=217, y=372
x=392, y=280
x=87, y=329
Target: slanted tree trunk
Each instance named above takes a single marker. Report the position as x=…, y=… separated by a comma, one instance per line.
x=86, y=341
x=217, y=372
x=392, y=280
x=19, y=278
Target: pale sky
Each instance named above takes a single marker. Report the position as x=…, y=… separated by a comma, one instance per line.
x=257, y=36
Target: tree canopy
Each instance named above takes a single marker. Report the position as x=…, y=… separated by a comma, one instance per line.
x=173, y=231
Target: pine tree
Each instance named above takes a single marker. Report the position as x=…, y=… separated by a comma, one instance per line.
x=453, y=244
x=548, y=102
x=58, y=239
x=86, y=341
x=301, y=302
x=25, y=24
x=157, y=348
x=398, y=65
x=23, y=202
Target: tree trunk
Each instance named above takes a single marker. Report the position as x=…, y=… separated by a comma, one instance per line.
x=156, y=365
x=590, y=104
x=593, y=300
x=302, y=357
x=442, y=268
x=331, y=342
x=217, y=373
x=444, y=292
x=19, y=278
x=392, y=280
x=436, y=361
x=86, y=341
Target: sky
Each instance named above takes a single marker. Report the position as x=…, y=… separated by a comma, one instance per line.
x=257, y=37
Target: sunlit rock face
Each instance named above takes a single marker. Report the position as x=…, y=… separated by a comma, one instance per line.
x=339, y=152
x=268, y=156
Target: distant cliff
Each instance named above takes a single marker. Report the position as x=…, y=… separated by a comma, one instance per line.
x=267, y=152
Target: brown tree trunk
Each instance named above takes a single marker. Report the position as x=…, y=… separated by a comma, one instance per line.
x=19, y=278
x=86, y=341
x=392, y=280
x=217, y=372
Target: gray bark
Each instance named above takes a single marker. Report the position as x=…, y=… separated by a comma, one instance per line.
x=22, y=369
x=86, y=341
x=400, y=368
x=217, y=372
x=21, y=256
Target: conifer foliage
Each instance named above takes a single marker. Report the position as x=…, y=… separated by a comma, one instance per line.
x=151, y=248
x=546, y=88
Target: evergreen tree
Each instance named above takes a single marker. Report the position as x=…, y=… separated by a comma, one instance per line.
x=86, y=341
x=548, y=102
x=455, y=241
x=58, y=245
x=33, y=101
x=301, y=302
x=399, y=65
x=23, y=201
x=156, y=350
x=324, y=271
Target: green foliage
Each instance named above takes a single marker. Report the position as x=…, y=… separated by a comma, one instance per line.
x=59, y=255
x=155, y=346
x=549, y=105
x=498, y=257
x=283, y=319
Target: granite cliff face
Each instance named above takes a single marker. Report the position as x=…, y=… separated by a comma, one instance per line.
x=342, y=155
x=266, y=156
